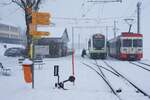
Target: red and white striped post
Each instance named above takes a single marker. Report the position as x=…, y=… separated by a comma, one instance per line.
x=73, y=51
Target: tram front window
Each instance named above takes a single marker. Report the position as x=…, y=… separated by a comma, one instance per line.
x=98, y=43
x=137, y=43
x=127, y=43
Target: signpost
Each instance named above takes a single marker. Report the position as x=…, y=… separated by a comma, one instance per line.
x=38, y=18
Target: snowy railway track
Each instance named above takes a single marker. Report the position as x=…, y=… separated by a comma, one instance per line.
x=144, y=63
x=140, y=66
x=131, y=83
x=116, y=73
x=101, y=74
x=99, y=66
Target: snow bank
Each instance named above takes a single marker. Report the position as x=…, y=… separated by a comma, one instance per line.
x=3, y=49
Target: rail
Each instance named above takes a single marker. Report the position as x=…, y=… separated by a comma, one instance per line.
x=135, y=86
x=144, y=63
x=139, y=66
x=105, y=80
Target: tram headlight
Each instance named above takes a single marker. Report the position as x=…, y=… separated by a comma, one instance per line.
x=139, y=49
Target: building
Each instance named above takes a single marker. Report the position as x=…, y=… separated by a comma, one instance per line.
x=9, y=33
x=54, y=45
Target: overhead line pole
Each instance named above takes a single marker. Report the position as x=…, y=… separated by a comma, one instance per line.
x=138, y=16
x=106, y=39
x=79, y=41
x=115, y=28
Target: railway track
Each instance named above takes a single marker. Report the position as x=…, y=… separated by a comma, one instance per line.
x=131, y=83
x=116, y=73
x=144, y=63
x=99, y=66
x=102, y=75
x=140, y=66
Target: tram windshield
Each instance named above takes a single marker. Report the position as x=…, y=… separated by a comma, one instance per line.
x=137, y=43
x=99, y=43
x=127, y=43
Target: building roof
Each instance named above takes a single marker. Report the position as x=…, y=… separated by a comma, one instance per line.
x=56, y=32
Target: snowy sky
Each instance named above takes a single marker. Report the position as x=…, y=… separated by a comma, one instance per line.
x=62, y=10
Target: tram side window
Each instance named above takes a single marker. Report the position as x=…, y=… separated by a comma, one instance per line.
x=127, y=43
x=137, y=43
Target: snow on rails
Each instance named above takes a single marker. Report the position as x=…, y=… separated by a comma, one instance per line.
x=109, y=68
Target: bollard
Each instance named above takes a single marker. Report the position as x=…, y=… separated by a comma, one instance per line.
x=27, y=70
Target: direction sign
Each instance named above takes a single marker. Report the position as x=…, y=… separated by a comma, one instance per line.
x=43, y=15
x=40, y=18
x=42, y=21
x=40, y=33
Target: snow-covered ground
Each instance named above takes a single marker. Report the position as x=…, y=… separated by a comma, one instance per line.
x=88, y=85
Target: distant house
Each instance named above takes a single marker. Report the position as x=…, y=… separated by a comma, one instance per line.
x=56, y=42
x=9, y=33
